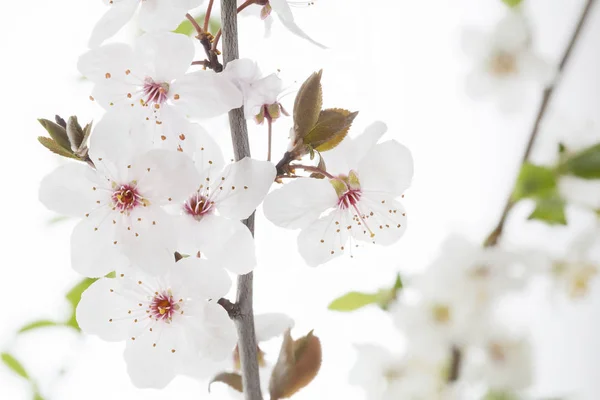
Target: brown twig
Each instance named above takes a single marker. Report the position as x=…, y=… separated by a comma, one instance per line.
x=494, y=236
x=207, y=15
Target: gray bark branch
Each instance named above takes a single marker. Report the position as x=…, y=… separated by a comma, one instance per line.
x=244, y=317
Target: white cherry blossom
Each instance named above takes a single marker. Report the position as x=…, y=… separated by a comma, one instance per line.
x=120, y=201
x=384, y=375
x=151, y=81
x=154, y=15
x=259, y=91
x=221, y=196
x=358, y=204
x=503, y=362
x=170, y=322
x=505, y=61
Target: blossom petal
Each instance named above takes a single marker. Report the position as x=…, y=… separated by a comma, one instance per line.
x=200, y=278
x=112, y=21
x=205, y=94
x=512, y=33
x=148, y=239
x=383, y=219
x=350, y=151
x=166, y=55
x=271, y=325
x=244, y=184
x=387, y=167
x=207, y=155
x=154, y=358
x=164, y=15
x=284, y=12
x=164, y=175
x=227, y=241
x=216, y=337
x=536, y=68
x=94, y=252
x=103, y=311
x=113, y=59
x=325, y=238
x=115, y=142
x=300, y=202
x=68, y=190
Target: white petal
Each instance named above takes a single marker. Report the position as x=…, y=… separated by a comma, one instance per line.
x=69, y=191
x=112, y=21
x=166, y=55
x=245, y=185
x=150, y=241
x=347, y=154
x=200, y=278
x=208, y=157
x=479, y=83
x=227, y=242
x=164, y=15
x=284, y=12
x=475, y=43
x=205, y=94
x=300, y=202
x=164, y=175
x=113, y=59
x=325, y=238
x=152, y=366
x=387, y=167
x=103, y=311
x=536, y=68
x=243, y=69
x=383, y=219
x=512, y=32
x=271, y=325
x=115, y=142
x=93, y=251
x=217, y=337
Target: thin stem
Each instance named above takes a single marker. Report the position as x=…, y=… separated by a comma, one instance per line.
x=239, y=9
x=204, y=63
x=194, y=23
x=207, y=15
x=244, y=318
x=494, y=236
x=270, y=137
x=312, y=169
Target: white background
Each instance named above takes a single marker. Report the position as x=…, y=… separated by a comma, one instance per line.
x=399, y=61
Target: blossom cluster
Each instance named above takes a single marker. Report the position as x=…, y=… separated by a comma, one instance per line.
x=159, y=209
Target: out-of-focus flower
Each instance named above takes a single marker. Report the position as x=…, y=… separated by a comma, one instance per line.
x=505, y=61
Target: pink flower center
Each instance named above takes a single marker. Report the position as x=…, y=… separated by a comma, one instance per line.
x=126, y=198
x=349, y=199
x=197, y=206
x=155, y=92
x=163, y=306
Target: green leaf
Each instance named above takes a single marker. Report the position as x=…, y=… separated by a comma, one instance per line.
x=331, y=128
x=186, y=27
x=55, y=148
x=307, y=106
x=231, y=379
x=584, y=164
x=353, y=301
x=37, y=396
x=57, y=133
x=38, y=324
x=512, y=3
x=74, y=295
x=14, y=364
x=534, y=181
x=550, y=210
